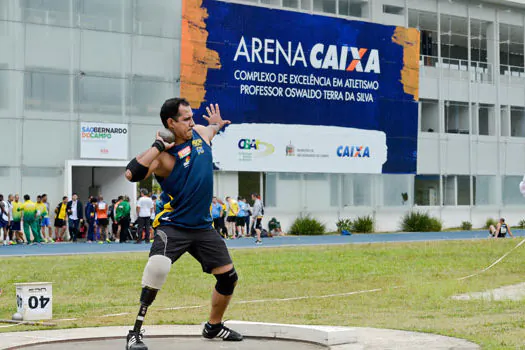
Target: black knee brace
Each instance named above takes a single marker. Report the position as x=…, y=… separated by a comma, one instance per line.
x=226, y=282
x=148, y=296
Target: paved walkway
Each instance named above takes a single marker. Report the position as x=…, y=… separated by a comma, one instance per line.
x=85, y=248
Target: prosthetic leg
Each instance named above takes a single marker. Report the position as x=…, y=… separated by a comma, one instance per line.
x=153, y=278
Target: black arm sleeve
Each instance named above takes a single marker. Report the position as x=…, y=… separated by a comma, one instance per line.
x=138, y=171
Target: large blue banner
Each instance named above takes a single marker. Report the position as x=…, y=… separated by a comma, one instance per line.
x=304, y=92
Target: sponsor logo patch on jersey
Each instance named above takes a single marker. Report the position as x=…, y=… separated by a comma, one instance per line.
x=184, y=152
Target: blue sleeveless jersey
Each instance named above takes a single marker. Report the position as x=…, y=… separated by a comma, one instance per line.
x=187, y=192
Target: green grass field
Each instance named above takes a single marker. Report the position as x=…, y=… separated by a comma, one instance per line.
x=417, y=281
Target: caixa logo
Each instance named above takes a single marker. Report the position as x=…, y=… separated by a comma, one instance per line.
x=353, y=151
x=260, y=148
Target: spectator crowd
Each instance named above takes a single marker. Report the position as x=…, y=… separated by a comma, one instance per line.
x=33, y=222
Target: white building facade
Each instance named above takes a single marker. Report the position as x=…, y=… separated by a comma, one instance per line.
x=67, y=62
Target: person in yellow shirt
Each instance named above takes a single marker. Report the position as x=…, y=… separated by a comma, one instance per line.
x=60, y=219
x=231, y=220
x=31, y=219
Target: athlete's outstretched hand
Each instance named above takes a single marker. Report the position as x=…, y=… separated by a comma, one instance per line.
x=214, y=116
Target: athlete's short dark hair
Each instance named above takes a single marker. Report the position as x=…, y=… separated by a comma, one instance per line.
x=26, y=197
x=170, y=109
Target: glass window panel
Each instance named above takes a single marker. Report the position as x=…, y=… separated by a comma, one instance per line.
x=49, y=12
x=158, y=18
x=102, y=51
x=4, y=9
x=335, y=190
x=107, y=15
x=463, y=190
x=484, y=190
x=317, y=189
x=362, y=189
x=9, y=179
x=10, y=141
x=429, y=115
x=327, y=6
x=47, y=46
x=426, y=190
x=270, y=190
x=354, y=8
x=394, y=186
x=456, y=118
x=147, y=49
x=517, y=122
x=291, y=3
x=99, y=95
x=449, y=190
x=146, y=95
x=511, y=192
x=57, y=136
x=289, y=191
x=271, y=2
x=306, y=4
x=47, y=91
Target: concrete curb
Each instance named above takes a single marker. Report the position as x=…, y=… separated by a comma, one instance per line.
x=335, y=338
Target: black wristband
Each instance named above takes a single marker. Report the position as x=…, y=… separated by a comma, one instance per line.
x=158, y=144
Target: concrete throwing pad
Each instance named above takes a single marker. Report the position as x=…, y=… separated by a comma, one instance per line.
x=187, y=343
x=258, y=336
x=513, y=292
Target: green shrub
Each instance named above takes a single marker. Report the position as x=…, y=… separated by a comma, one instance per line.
x=490, y=221
x=420, y=222
x=363, y=224
x=306, y=225
x=466, y=225
x=521, y=224
x=344, y=224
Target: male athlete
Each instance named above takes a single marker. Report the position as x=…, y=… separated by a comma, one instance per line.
x=184, y=170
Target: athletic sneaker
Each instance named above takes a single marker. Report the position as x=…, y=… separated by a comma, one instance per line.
x=211, y=331
x=258, y=242
x=134, y=341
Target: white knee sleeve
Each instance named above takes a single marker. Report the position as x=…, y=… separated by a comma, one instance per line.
x=156, y=271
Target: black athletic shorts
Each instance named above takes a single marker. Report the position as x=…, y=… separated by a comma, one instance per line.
x=60, y=223
x=103, y=222
x=258, y=224
x=206, y=246
x=231, y=219
x=241, y=221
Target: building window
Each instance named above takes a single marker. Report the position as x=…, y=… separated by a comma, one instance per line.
x=511, y=193
x=47, y=90
x=429, y=110
x=393, y=10
x=396, y=190
x=517, y=122
x=4, y=88
x=327, y=6
x=270, y=190
x=272, y=2
x=157, y=17
x=505, y=120
x=98, y=94
x=357, y=190
x=426, y=190
x=427, y=23
x=291, y=3
x=353, y=8
x=484, y=190
x=486, y=120
x=511, y=53
x=49, y=12
x=104, y=15
x=145, y=95
x=456, y=118
x=463, y=188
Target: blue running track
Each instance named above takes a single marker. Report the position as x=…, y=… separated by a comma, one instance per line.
x=85, y=248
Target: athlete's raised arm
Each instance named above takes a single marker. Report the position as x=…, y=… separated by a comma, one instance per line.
x=215, y=123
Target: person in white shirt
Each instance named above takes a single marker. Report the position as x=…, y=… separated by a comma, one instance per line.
x=4, y=220
x=144, y=211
